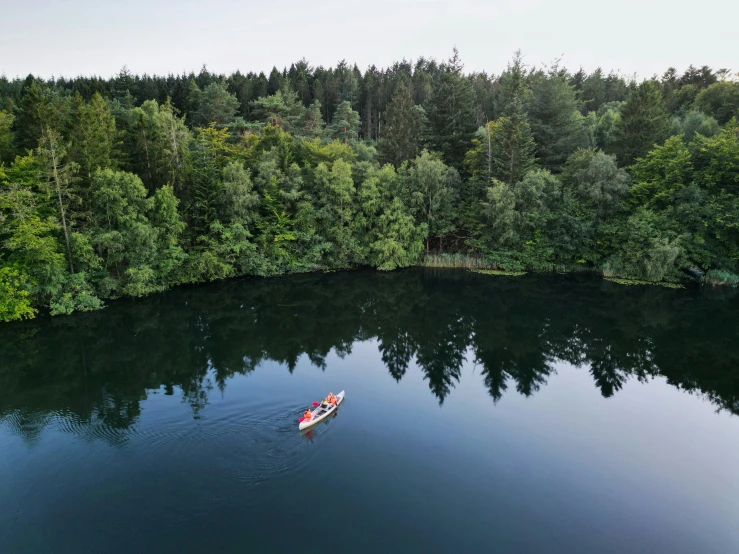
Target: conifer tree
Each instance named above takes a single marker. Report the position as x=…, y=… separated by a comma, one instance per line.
x=513, y=146
x=345, y=123
x=402, y=129
x=93, y=135
x=451, y=112
x=312, y=124
x=643, y=123
x=553, y=112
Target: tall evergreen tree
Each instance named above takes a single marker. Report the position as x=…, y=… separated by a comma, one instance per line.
x=94, y=136
x=402, y=129
x=312, y=124
x=512, y=86
x=216, y=105
x=6, y=136
x=38, y=109
x=282, y=109
x=554, y=115
x=513, y=145
x=451, y=112
x=345, y=123
x=643, y=123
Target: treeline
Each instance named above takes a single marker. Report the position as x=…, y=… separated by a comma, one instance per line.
x=96, y=369
x=131, y=185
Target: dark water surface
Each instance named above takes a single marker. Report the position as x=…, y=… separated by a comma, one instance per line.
x=483, y=414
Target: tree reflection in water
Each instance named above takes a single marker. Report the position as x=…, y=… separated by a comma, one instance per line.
x=93, y=370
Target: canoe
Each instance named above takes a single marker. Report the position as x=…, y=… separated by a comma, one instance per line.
x=320, y=413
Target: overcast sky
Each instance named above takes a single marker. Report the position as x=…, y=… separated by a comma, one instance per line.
x=75, y=37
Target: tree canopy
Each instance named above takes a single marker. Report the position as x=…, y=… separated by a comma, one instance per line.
x=134, y=184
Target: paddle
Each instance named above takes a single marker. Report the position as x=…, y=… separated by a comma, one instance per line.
x=303, y=418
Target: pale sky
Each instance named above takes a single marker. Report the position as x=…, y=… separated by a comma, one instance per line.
x=99, y=37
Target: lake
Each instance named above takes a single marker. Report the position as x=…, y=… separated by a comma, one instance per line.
x=482, y=414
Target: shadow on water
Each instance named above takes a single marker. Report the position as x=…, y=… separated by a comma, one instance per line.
x=89, y=373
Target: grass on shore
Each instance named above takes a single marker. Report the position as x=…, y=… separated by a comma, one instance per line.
x=640, y=282
x=499, y=272
x=463, y=261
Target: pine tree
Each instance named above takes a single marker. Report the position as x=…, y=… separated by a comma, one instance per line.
x=451, y=112
x=282, y=109
x=643, y=123
x=553, y=112
x=345, y=123
x=33, y=115
x=93, y=134
x=402, y=129
x=275, y=81
x=216, y=106
x=312, y=124
x=511, y=85
x=513, y=146
x=6, y=136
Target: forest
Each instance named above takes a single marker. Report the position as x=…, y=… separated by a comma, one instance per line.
x=134, y=184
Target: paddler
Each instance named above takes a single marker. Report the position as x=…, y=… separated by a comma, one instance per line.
x=308, y=415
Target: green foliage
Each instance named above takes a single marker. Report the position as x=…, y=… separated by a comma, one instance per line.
x=6, y=135
x=78, y=296
x=643, y=123
x=94, y=136
x=15, y=298
x=312, y=124
x=719, y=277
x=344, y=124
x=596, y=181
x=156, y=141
x=451, y=113
x=499, y=272
x=513, y=145
x=694, y=122
x=716, y=159
x=554, y=115
x=336, y=197
x=426, y=189
x=632, y=282
x=456, y=260
x=391, y=238
x=513, y=86
x=284, y=110
x=215, y=106
x=642, y=250
x=402, y=130
x=609, y=120
x=719, y=100
x=200, y=177
x=663, y=173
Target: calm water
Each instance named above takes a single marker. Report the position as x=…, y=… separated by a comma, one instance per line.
x=483, y=414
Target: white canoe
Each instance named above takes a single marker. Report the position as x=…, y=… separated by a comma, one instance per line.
x=320, y=413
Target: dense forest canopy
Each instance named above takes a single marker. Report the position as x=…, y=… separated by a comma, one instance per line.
x=134, y=184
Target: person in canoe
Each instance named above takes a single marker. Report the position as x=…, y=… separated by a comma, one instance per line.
x=308, y=415
x=332, y=399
